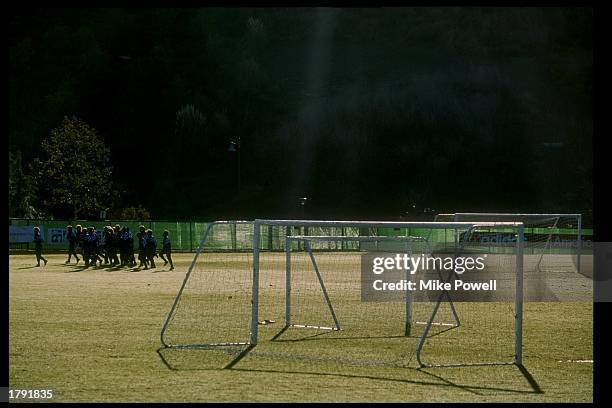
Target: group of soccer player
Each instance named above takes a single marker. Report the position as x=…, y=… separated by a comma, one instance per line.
x=116, y=249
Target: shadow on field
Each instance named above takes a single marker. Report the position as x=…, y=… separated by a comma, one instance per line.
x=532, y=382
x=474, y=389
x=76, y=268
x=137, y=269
x=220, y=359
x=104, y=267
x=202, y=359
x=81, y=268
x=535, y=387
x=111, y=268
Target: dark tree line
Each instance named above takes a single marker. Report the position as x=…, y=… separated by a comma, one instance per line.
x=367, y=112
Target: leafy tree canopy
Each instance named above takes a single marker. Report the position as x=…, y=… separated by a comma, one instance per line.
x=74, y=169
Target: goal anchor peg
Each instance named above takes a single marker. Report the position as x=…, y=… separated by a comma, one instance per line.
x=266, y=322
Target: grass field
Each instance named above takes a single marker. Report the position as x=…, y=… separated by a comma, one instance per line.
x=93, y=335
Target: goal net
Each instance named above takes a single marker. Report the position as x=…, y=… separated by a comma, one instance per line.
x=554, y=261
x=553, y=242
x=298, y=293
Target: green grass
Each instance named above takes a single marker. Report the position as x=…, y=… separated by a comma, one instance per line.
x=93, y=335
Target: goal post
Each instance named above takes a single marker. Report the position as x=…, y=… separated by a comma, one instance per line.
x=518, y=317
x=248, y=275
x=518, y=295
x=546, y=235
x=208, y=241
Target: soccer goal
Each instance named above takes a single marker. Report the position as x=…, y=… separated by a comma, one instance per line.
x=297, y=292
x=215, y=298
x=553, y=242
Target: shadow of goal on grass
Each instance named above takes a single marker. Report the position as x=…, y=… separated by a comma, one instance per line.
x=533, y=384
x=441, y=381
x=206, y=358
x=213, y=359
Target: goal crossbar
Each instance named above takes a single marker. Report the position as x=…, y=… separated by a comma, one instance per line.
x=383, y=224
x=518, y=315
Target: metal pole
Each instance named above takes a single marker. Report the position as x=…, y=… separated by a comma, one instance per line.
x=190, y=238
x=426, y=331
x=287, y=278
x=408, y=327
x=233, y=236
x=255, y=299
x=518, y=325
x=579, y=247
x=239, y=149
x=316, y=268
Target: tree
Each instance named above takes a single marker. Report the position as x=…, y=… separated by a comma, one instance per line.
x=74, y=169
x=189, y=128
x=135, y=213
x=21, y=187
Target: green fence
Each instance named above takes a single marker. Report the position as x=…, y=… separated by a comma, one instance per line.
x=186, y=236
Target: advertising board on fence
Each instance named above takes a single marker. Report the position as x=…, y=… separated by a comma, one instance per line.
x=20, y=235
x=51, y=236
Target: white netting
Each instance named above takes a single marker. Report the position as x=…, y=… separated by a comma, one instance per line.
x=215, y=304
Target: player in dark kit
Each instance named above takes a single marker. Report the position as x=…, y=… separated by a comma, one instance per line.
x=110, y=245
x=150, y=248
x=38, y=246
x=72, y=239
x=91, y=242
x=129, y=246
x=99, y=245
x=98, y=248
x=86, y=246
x=118, y=246
x=123, y=242
x=141, y=249
x=79, y=240
x=108, y=242
x=166, y=250
x=93, y=246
